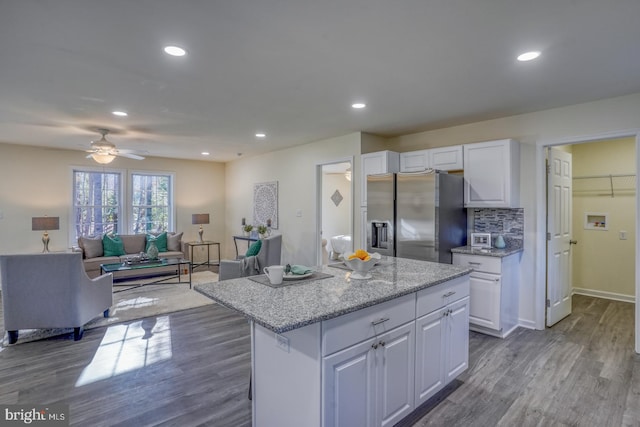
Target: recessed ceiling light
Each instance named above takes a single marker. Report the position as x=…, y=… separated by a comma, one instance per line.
x=528, y=56
x=175, y=51
x=261, y=135
x=205, y=153
x=119, y=113
x=358, y=105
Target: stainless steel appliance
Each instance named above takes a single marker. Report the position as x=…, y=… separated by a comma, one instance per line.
x=416, y=215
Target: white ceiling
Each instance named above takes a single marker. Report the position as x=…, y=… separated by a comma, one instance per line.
x=292, y=68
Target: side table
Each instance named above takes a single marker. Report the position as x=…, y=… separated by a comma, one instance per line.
x=208, y=262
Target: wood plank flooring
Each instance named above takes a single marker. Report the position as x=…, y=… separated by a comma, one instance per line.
x=191, y=368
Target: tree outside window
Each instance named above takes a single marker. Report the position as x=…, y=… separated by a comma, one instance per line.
x=96, y=202
x=151, y=203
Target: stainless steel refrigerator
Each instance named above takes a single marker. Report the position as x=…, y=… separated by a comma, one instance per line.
x=417, y=215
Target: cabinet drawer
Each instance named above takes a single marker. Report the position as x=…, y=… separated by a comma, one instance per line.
x=344, y=331
x=438, y=296
x=486, y=264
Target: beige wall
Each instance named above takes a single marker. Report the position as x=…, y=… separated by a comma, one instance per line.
x=295, y=171
x=601, y=261
x=37, y=181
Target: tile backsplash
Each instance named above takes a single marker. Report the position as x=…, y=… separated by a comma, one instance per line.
x=508, y=222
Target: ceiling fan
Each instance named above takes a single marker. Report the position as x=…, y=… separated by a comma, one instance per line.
x=103, y=151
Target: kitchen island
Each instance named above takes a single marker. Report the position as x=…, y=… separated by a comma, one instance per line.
x=344, y=352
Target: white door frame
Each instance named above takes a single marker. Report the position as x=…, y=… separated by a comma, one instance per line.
x=540, y=235
x=318, y=216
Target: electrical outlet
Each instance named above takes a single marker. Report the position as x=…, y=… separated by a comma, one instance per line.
x=282, y=342
x=623, y=235
x=299, y=212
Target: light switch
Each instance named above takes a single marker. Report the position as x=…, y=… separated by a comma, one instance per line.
x=623, y=235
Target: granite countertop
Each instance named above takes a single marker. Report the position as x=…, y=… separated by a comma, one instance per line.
x=299, y=304
x=500, y=253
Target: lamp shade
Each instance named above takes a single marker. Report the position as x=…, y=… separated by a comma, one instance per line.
x=200, y=219
x=45, y=223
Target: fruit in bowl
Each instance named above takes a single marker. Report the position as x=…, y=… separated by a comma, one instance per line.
x=361, y=262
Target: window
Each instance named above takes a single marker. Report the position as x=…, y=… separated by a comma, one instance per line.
x=96, y=202
x=151, y=202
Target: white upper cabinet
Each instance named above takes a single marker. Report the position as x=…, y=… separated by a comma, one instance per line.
x=414, y=161
x=492, y=174
x=375, y=163
x=444, y=158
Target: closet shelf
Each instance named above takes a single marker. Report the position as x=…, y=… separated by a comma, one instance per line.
x=605, y=185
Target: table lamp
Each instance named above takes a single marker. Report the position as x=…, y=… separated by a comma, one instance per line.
x=45, y=223
x=199, y=219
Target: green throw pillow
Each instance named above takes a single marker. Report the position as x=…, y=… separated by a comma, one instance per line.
x=254, y=248
x=160, y=241
x=112, y=245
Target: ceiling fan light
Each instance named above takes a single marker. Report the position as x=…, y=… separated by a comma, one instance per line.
x=103, y=159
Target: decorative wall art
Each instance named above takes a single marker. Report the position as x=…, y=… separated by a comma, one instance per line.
x=265, y=203
x=336, y=198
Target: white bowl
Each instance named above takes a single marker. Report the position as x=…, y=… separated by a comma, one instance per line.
x=361, y=268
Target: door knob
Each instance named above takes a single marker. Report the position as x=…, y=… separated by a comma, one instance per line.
x=573, y=242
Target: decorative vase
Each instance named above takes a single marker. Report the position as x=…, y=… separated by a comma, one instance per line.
x=500, y=243
x=152, y=252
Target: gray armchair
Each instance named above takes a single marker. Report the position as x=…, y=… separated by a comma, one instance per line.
x=51, y=290
x=270, y=254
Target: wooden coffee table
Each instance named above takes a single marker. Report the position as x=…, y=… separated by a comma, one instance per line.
x=148, y=267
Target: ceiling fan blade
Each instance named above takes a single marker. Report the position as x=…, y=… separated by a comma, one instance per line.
x=131, y=156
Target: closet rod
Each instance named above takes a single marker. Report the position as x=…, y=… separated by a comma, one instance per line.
x=605, y=176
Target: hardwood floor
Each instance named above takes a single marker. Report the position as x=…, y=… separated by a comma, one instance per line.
x=192, y=368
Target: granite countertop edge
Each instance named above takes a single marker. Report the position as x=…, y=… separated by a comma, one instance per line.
x=346, y=310
x=493, y=252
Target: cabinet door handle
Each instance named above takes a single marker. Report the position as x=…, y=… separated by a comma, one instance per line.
x=374, y=346
x=448, y=294
x=379, y=321
x=473, y=263
x=382, y=343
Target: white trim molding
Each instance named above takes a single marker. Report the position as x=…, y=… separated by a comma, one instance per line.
x=604, y=294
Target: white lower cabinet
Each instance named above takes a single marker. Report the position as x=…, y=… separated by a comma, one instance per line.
x=442, y=348
x=494, y=292
x=371, y=383
x=363, y=368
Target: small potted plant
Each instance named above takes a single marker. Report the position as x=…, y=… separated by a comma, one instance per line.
x=247, y=228
x=262, y=231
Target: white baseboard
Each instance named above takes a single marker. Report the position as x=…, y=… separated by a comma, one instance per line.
x=604, y=294
x=528, y=324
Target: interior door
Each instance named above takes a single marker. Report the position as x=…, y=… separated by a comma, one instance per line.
x=558, y=236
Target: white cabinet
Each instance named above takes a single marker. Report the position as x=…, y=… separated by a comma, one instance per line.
x=493, y=292
x=492, y=174
x=414, y=161
x=361, y=368
x=370, y=383
x=442, y=343
x=375, y=163
x=444, y=158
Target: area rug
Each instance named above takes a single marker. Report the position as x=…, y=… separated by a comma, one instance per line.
x=131, y=304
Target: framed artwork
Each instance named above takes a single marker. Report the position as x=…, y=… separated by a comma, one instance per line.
x=265, y=203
